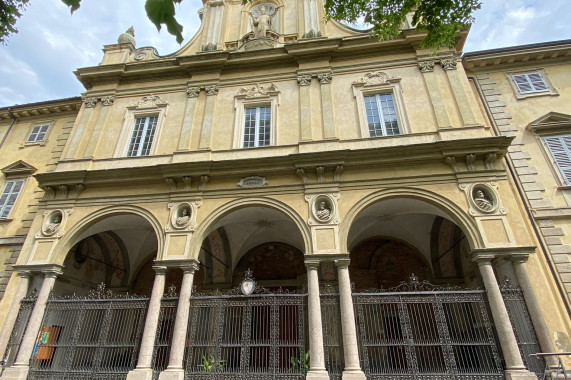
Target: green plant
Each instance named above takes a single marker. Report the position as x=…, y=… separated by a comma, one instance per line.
x=211, y=364
x=296, y=363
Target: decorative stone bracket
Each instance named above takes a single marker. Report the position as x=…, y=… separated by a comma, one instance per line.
x=471, y=161
x=63, y=191
x=184, y=183
x=320, y=172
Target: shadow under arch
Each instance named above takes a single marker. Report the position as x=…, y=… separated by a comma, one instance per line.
x=449, y=208
x=209, y=224
x=74, y=234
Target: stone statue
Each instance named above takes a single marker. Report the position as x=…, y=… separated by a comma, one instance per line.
x=481, y=201
x=183, y=218
x=52, y=226
x=263, y=22
x=324, y=212
x=127, y=37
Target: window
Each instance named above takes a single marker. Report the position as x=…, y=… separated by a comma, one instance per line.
x=530, y=83
x=142, y=137
x=381, y=115
x=380, y=105
x=560, y=149
x=9, y=197
x=38, y=133
x=256, y=118
x=257, y=126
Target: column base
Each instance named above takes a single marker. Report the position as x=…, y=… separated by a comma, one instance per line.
x=16, y=373
x=140, y=374
x=317, y=374
x=520, y=375
x=172, y=374
x=354, y=374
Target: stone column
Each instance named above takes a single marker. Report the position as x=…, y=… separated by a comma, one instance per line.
x=316, y=353
x=537, y=320
x=514, y=364
x=175, y=369
x=144, y=371
x=351, y=351
x=21, y=364
x=10, y=320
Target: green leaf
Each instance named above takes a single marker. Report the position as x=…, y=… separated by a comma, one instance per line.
x=72, y=4
x=162, y=12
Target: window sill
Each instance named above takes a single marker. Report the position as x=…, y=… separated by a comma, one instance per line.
x=8, y=220
x=535, y=94
x=27, y=144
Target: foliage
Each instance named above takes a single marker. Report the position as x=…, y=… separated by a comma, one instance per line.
x=211, y=364
x=10, y=12
x=296, y=363
x=158, y=11
x=441, y=19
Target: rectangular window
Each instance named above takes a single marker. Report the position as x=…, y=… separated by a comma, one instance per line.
x=560, y=149
x=38, y=133
x=381, y=115
x=530, y=83
x=9, y=197
x=142, y=138
x=257, y=126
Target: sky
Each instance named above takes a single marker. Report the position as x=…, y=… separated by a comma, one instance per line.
x=37, y=64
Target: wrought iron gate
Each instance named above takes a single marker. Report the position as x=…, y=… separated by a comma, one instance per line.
x=26, y=306
x=420, y=331
x=523, y=328
x=260, y=336
x=93, y=337
x=165, y=329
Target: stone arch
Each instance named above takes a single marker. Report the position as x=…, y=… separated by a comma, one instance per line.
x=209, y=224
x=74, y=234
x=449, y=208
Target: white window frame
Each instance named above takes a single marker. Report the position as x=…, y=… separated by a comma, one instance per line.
x=5, y=208
x=241, y=102
x=392, y=86
x=549, y=89
x=37, y=131
x=145, y=108
x=143, y=136
x=257, y=126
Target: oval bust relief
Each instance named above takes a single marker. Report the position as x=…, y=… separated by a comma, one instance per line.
x=181, y=217
x=53, y=222
x=484, y=199
x=323, y=209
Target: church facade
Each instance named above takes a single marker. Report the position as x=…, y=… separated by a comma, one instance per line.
x=282, y=198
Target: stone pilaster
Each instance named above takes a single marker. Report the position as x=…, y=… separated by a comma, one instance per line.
x=327, y=109
x=304, y=82
x=10, y=320
x=185, y=133
x=207, y=121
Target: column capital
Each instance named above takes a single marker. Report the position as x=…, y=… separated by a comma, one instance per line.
x=41, y=268
x=519, y=258
x=483, y=258
x=190, y=267
x=343, y=263
x=160, y=269
x=312, y=264
x=24, y=273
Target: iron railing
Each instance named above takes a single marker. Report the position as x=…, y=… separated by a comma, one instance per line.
x=26, y=306
x=92, y=337
x=332, y=338
x=420, y=331
x=523, y=328
x=165, y=330
x=258, y=337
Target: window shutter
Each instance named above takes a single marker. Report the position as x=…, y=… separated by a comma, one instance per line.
x=537, y=82
x=560, y=148
x=9, y=197
x=530, y=83
x=523, y=86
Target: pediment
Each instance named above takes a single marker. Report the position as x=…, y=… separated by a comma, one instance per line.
x=18, y=168
x=551, y=121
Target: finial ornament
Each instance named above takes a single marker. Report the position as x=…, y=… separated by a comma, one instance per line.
x=127, y=37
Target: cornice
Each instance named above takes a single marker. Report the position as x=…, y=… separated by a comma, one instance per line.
x=523, y=55
x=41, y=109
x=432, y=152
